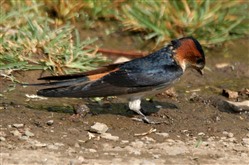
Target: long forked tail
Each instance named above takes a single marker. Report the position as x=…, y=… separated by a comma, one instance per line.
x=71, y=79
x=71, y=85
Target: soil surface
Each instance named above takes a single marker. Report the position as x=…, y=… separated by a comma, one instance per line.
x=197, y=127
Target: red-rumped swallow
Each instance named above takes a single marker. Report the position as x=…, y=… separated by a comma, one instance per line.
x=135, y=79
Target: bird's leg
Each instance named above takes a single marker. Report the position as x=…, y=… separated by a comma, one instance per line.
x=135, y=105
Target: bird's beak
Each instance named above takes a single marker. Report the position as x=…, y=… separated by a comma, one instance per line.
x=200, y=71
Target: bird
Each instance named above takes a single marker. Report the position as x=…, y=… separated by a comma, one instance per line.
x=134, y=79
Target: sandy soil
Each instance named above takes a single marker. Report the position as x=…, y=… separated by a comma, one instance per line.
x=197, y=127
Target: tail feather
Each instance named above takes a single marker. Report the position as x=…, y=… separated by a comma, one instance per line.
x=59, y=83
x=63, y=91
x=102, y=69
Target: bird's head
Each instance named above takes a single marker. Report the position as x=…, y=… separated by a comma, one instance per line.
x=188, y=53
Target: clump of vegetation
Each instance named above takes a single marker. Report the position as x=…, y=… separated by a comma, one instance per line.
x=29, y=41
x=40, y=34
x=212, y=22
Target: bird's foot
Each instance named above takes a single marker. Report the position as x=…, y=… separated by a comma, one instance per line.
x=147, y=121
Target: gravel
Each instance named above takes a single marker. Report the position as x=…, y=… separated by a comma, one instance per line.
x=50, y=122
x=18, y=125
x=108, y=136
x=98, y=128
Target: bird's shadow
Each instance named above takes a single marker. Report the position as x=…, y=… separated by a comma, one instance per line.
x=148, y=108
x=114, y=108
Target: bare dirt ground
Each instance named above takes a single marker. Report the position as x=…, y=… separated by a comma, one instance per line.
x=198, y=128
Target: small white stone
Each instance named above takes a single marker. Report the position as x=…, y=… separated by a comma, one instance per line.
x=77, y=145
x=2, y=133
x=224, y=132
x=99, y=128
x=137, y=144
x=50, y=122
x=148, y=139
x=18, y=125
x=16, y=133
x=158, y=106
x=92, y=150
x=59, y=144
x=233, y=139
x=108, y=136
x=28, y=133
x=245, y=141
x=124, y=141
x=230, y=135
x=23, y=138
x=39, y=144
x=223, y=138
x=2, y=139
x=81, y=158
x=164, y=134
x=201, y=134
x=156, y=156
x=52, y=147
x=244, y=155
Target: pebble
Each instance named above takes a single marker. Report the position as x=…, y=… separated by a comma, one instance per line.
x=71, y=151
x=98, y=128
x=2, y=139
x=232, y=139
x=77, y=145
x=170, y=140
x=108, y=136
x=133, y=150
x=230, y=135
x=164, y=134
x=28, y=133
x=18, y=125
x=16, y=133
x=2, y=133
x=52, y=147
x=247, y=135
x=148, y=139
x=39, y=144
x=245, y=141
x=91, y=150
x=124, y=141
x=223, y=138
x=158, y=106
x=23, y=138
x=59, y=144
x=137, y=144
x=156, y=156
x=50, y=122
x=81, y=158
x=201, y=134
x=244, y=155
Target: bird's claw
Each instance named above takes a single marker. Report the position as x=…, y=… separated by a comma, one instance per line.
x=146, y=120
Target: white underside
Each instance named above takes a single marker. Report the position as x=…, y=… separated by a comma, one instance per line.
x=135, y=105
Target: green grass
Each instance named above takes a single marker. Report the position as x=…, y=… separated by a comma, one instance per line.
x=211, y=21
x=29, y=41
